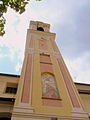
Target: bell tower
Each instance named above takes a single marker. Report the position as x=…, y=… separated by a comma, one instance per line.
x=46, y=90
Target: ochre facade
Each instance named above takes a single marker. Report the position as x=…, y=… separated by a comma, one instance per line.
x=45, y=88
x=7, y=99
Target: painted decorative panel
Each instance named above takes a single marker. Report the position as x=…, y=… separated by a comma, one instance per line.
x=49, y=88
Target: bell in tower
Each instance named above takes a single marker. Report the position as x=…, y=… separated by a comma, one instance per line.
x=46, y=90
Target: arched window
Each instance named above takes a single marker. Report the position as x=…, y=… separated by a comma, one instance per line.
x=49, y=88
x=40, y=29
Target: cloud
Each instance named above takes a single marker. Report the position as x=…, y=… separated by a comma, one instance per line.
x=18, y=67
x=2, y=56
x=73, y=32
x=17, y=25
x=69, y=19
x=79, y=68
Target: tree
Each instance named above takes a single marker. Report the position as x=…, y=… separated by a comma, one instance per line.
x=17, y=5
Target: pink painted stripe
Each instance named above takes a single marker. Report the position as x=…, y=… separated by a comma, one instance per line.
x=27, y=79
x=68, y=83
x=31, y=43
x=55, y=48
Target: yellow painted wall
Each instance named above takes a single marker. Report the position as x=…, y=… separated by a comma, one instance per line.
x=4, y=79
x=37, y=87
x=85, y=96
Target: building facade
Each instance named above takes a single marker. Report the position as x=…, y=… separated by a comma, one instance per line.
x=45, y=88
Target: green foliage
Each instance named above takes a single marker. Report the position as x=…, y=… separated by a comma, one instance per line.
x=17, y=5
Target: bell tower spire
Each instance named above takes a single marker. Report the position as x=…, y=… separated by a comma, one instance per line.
x=46, y=90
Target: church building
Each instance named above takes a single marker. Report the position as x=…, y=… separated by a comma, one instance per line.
x=45, y=89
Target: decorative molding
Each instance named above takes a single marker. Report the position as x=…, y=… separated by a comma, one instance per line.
x=23, y=109
x=27, y=115
x=32, y=51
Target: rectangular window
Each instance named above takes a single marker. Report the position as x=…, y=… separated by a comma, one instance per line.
x=11, y=88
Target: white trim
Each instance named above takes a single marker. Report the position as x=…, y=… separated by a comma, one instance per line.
x=31, y=51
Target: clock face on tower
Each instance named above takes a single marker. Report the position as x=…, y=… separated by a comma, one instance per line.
x=49, y=86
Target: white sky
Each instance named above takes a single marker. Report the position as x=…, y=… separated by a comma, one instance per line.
x=70, y=20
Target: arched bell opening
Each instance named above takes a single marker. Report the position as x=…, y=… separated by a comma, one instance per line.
x=40, y=29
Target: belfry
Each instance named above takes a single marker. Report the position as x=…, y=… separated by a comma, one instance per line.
x=45, y=90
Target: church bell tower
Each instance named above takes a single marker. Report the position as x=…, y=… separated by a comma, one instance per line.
x=46, y=90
